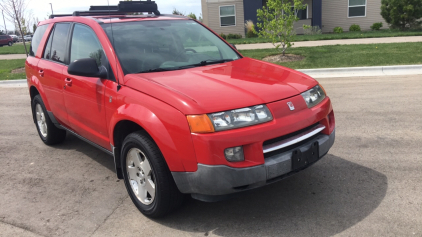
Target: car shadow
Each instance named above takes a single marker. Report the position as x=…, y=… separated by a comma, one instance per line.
x=76, y=144
x=323, y=200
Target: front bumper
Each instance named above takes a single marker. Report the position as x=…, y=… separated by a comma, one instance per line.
x=214, y=180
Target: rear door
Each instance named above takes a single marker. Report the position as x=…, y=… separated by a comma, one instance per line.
x=33, y=59
x=84, y=96
x=51, y=70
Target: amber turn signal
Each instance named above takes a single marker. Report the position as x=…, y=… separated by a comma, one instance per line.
x=200, y=124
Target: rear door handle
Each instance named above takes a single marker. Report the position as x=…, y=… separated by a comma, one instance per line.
x=41, y=72
x=68, y=81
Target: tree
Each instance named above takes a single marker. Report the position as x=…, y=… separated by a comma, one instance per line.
x=402, y=14
x=176, y=12
x=275, y=22
x=15, y=11
x=192, y=15
x=34, y=27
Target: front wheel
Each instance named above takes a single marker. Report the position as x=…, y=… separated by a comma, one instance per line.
x=10, y=43
x=147, y=177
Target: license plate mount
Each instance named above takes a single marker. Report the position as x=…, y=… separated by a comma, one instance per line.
x=302, y=159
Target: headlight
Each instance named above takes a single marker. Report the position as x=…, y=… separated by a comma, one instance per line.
x=229, y=119
x=313, y=96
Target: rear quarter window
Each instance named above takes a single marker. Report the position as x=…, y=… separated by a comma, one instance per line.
x=36, y=40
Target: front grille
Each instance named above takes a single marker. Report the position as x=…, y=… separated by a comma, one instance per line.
x=287, y=136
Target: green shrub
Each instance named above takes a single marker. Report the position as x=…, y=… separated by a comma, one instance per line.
x=354, y=27
x=338, y=30
x=222, y=35
x=306, y=27
x=251, y=34
x=311, y=30
x=234, y=36
x=376, y=26
x=402, y=14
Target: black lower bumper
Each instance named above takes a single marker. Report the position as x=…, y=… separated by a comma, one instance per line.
x=211, y=181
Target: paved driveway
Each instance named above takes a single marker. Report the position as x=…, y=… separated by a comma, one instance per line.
x=369, y=183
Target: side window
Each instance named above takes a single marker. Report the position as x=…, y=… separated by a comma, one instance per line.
x=47, y=50
x=85, y=44
x=56, y=45
x=36, y=40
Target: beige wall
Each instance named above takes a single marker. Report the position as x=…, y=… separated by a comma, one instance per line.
x=335, y=13
x=211, y=15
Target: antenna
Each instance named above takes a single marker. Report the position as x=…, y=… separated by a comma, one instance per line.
x=115, y=56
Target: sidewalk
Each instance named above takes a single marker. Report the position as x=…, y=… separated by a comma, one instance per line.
x=385, y=40
x=12, y=56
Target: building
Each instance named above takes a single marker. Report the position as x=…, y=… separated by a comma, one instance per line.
x=229, y=16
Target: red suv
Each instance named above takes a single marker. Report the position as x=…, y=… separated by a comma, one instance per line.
x=6, y=40
x=180, y=109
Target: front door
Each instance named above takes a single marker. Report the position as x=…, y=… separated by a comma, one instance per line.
x=84, y=96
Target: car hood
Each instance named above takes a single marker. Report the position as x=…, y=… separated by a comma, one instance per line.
x=213, y=88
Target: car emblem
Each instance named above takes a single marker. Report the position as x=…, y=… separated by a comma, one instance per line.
x=291, y=106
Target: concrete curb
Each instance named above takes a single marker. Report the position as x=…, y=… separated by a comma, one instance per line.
x=315, y=73
x=363, y=71
x=13, y=83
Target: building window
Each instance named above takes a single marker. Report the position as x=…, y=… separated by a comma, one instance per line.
x=357, y=8
x=227, y=16
x=301, y=14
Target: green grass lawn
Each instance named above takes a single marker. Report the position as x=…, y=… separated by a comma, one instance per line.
x=332, y=36
x=6, y=66
x=14, y=49
x=348, y=55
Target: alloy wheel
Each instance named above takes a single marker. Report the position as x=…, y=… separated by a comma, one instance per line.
x=42, y=125
x=140, y=176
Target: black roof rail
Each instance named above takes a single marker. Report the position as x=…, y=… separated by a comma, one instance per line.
x=59, y=15
x=121, y=9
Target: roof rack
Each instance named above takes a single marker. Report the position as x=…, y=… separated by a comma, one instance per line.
x=121, y=9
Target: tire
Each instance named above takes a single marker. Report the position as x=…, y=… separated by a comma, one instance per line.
x=10, y=43
x=145, y=171
x=47, y=131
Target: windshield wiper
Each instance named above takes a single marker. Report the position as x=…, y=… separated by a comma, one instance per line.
x=157, y=70
x=202, y=63
x=212, y=61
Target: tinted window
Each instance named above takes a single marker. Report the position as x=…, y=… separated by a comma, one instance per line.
x=57, y=40
x=85, y=44
x=47, y=49
x=36, y=40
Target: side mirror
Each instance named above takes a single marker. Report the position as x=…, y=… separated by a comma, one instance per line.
x=234, y=46
x=87, y=67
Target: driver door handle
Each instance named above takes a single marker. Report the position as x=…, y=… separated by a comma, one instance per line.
x=68, y=81
x=41, y=72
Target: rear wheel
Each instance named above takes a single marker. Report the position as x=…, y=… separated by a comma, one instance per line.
x=47, y=131
x=147, y=177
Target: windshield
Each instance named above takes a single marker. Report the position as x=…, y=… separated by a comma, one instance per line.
x=149, y=46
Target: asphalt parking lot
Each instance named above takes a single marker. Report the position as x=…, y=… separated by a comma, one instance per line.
x=368, y=185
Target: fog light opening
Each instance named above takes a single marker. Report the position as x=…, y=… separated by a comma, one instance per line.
x=234, y=154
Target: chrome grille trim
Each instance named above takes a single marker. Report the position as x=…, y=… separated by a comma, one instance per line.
x=293, y=140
